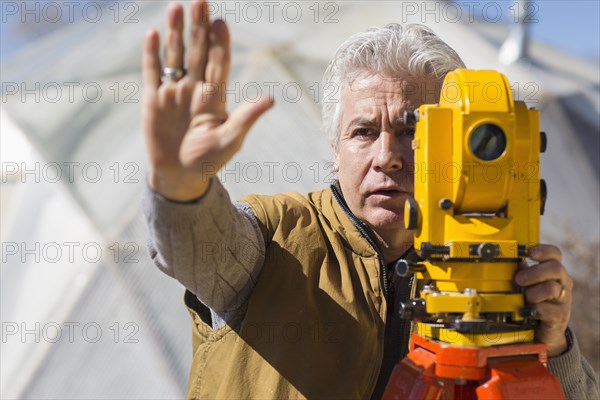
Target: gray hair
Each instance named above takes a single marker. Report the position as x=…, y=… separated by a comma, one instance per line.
x=392, y=50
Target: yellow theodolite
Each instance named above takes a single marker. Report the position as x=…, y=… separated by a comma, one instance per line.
x=475, y=213
x=477, y=205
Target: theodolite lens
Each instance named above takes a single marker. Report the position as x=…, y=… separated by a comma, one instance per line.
x=488, y=142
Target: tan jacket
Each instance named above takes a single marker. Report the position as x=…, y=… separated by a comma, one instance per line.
x=314, y=324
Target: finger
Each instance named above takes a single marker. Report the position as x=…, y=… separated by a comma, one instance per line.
x=167, y=95
x=198, y=48
x=545, y=252
x=219, y=54
x=242, y=119
x=547, y=291
x=174, y=56
x=183, y=97
x=546, y=271
x=151, y=61
x=524, y=264
x=246, y=115
x=552, y=313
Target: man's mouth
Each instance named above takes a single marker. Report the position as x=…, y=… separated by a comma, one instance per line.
x=389, y=192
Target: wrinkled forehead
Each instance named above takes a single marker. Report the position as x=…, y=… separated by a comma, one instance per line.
x=415, y=91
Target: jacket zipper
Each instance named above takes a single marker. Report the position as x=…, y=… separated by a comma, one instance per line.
x=365, y=231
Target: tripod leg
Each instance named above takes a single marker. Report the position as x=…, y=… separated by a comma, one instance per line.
x=414, y=378
x=520, y=378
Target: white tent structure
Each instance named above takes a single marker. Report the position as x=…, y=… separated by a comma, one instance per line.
x=84, y=313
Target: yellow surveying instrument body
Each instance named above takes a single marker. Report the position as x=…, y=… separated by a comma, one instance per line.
x=478, y=199
x=475, y=213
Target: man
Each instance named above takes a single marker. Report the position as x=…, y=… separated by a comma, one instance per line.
x=295, y=297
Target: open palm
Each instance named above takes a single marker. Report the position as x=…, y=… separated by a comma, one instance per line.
x=189, y=134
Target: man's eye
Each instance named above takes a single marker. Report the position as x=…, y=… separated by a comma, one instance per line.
x=363, y=132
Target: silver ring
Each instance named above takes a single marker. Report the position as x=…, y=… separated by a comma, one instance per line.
x=173, y=74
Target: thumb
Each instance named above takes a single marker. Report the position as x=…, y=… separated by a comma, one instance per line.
x=242, y=118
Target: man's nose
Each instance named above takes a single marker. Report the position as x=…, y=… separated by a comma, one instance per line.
x=388, y=153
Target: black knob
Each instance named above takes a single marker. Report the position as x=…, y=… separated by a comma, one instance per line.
x=411, y=214
x=543, y=196
x=405, y=310
x=402, y=268
x=488, y=251
x=445, y=204
x=410, y=117
x=543, y=142
x=413, y=310
x=428, y=250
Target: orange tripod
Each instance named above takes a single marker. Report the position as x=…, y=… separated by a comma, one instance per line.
x=438, y=371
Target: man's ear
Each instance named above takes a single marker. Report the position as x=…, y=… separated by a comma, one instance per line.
x=336, y=158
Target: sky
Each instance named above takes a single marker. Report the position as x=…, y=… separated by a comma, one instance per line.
x=573, y=26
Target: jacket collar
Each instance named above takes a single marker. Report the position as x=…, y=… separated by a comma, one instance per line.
x=358, y=228
x=358, y=235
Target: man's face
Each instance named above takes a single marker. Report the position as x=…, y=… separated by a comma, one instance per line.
x=374, y=159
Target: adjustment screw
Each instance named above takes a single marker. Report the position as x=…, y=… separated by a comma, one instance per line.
x=445, y=204
x=488, y=251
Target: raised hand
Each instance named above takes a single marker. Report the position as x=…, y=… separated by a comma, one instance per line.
x=189, y=135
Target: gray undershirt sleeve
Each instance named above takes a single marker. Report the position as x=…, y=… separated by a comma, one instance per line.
x=577, y=377
x=212, y=246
